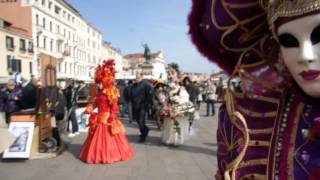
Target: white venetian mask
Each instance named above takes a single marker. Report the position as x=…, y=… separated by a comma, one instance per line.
x=300, y=48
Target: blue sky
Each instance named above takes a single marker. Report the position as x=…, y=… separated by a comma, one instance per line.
x=162, y=24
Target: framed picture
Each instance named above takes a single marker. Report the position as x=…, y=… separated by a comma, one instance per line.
x=22, y=133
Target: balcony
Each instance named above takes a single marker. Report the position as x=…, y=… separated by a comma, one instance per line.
x=30, y=50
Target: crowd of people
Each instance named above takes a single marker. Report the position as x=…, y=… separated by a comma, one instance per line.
x=141, y=98
x=172, y=104
x=15, y=97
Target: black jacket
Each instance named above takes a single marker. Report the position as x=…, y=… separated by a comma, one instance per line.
x=29, y=96
x=142, y=93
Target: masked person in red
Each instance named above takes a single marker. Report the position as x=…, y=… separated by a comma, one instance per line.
x=106, y=141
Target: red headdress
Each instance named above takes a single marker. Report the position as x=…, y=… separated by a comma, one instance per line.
x=105, y=73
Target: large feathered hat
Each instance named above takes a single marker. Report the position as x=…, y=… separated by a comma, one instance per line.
x=242, y=32
x=105, y=73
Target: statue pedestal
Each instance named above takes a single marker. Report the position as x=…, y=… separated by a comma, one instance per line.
x=147, y=70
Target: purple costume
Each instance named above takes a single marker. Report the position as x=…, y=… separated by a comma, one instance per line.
x=270, y=130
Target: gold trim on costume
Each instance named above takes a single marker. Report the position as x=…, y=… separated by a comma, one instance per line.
x=286, y=8
x=261, y=131
x=257, y=97
x=290, y=159
x=259, y=143
x=256, y=114
x=254, y=162
x=296, y=158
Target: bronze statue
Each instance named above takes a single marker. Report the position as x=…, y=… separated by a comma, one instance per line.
x=147, y=52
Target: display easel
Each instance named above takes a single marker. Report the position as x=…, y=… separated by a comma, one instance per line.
x=41, y=115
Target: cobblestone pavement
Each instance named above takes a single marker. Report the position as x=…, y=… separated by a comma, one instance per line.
x=195, y=160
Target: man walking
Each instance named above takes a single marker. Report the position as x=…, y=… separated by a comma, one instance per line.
x=141, y=96
x=72, y=97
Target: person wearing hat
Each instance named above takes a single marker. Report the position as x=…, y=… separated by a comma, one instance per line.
x=11, y=99
x=271, y=128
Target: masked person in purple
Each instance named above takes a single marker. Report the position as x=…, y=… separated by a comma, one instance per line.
x=271, y=128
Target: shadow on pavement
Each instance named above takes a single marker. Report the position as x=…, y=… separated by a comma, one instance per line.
x=156, y=141
x=74, y=149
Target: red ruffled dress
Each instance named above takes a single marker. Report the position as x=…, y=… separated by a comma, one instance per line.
x=106, y=141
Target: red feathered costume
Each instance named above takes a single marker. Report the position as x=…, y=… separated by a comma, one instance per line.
x=106, y=141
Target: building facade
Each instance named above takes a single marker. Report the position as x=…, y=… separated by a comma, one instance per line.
x=57, y=29
x=16, y=52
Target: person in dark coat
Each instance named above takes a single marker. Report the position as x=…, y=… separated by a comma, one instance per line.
x=191, y=89
x=11, y=99
x=141, y=96
x=121, y=86
x=71, y=96
x=127, y=98
x=60, y=113
x=29, y=94
x=82, y=93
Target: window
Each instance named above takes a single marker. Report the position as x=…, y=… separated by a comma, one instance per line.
x=59, y=48
x=65, y=67
x=37, y=19
x=69, y=17
x=51, y=45
x=30, y=47
x=64, y=32
x=30, y=67
x=13, y=65
x=44, y=42
x=59, y=67
x=44, y=22
x=50, y=26
x=22, y=45
x=70, y=68
x=49, y=5
x=43, y=2
x=64, y=14
x=37, y=41
x=57, y=9
x=9, y=43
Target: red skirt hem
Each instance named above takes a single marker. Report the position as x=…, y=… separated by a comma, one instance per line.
x=104, y=148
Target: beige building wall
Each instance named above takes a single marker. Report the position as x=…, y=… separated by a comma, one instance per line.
x=19, y=15
x=25, y=57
